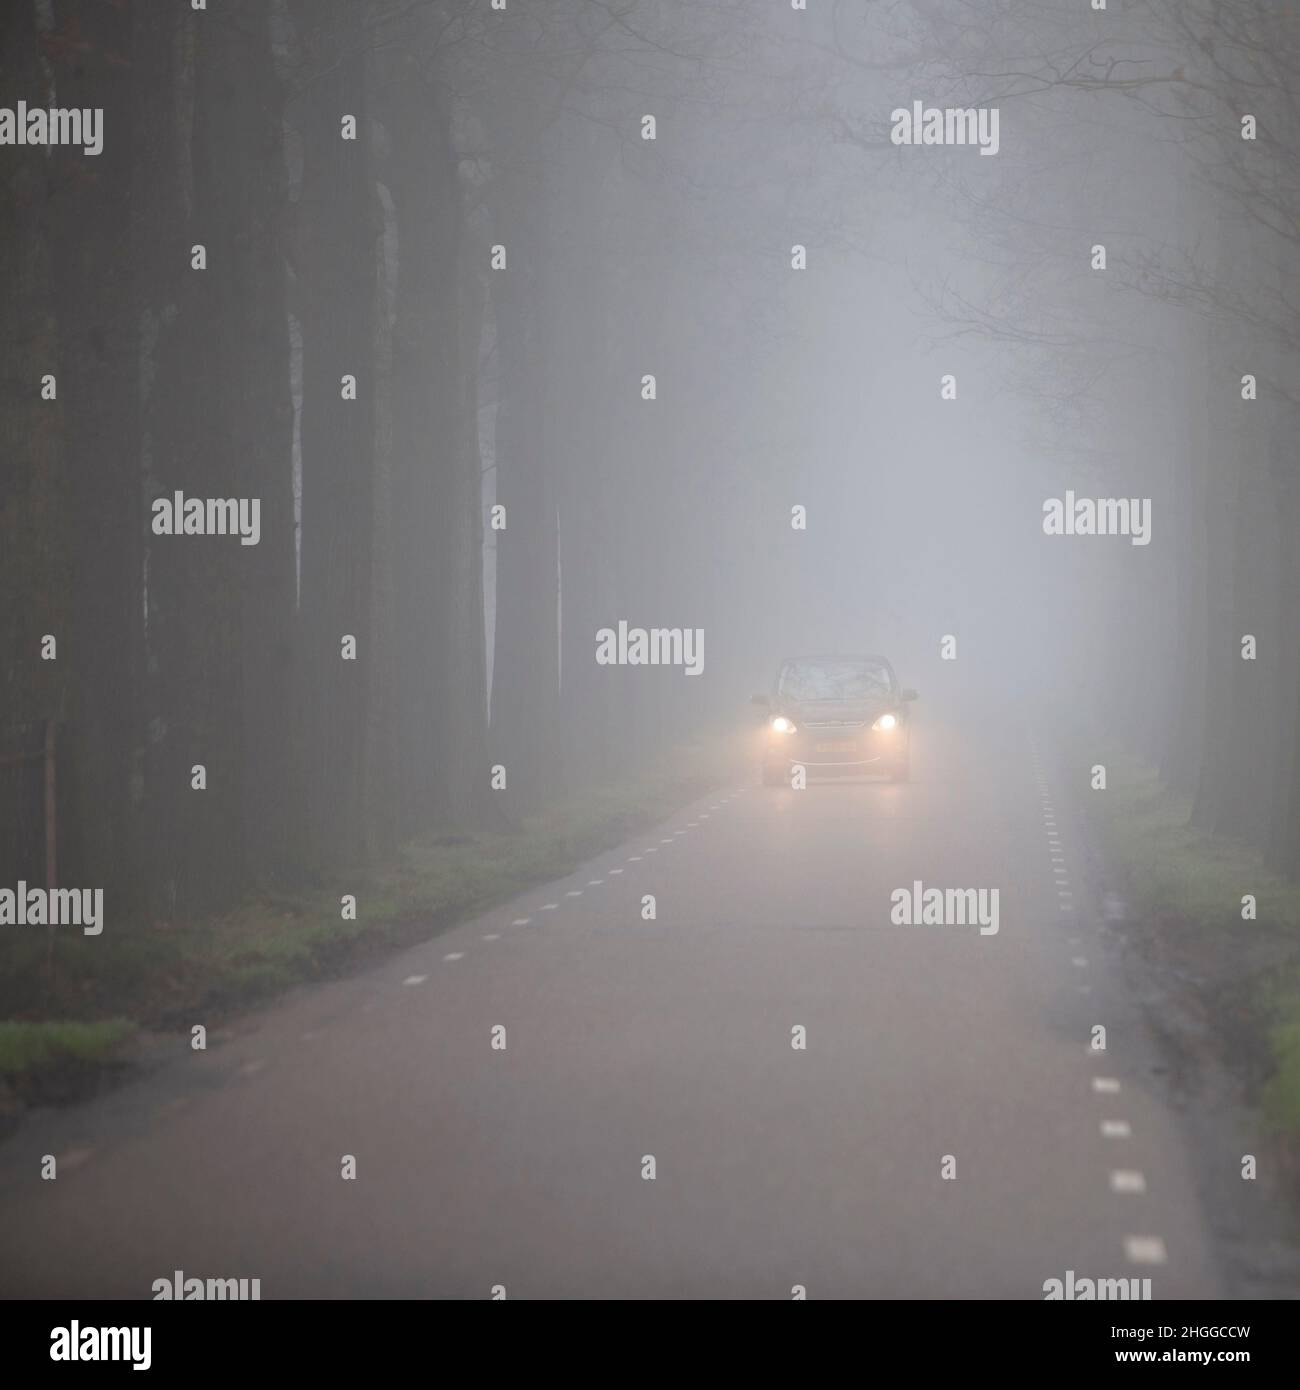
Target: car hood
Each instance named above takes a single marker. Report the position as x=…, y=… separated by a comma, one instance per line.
x=836, y=711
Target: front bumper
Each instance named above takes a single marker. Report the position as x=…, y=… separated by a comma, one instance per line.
x=836, y=748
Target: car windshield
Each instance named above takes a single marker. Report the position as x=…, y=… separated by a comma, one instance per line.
x=835, y=678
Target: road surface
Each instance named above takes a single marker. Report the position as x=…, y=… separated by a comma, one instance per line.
x=775, y=1167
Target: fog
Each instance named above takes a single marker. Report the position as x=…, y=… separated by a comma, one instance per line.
x=375, y=371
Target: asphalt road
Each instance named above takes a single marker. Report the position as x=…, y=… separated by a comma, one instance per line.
x=775, y=1167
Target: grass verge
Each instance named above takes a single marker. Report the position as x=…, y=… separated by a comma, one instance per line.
x=1189, y=885
x=70, y=1013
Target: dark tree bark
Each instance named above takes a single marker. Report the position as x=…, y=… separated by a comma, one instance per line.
x=90, y=221
x=335, y=287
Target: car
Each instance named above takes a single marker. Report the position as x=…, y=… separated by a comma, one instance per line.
x=836, y=715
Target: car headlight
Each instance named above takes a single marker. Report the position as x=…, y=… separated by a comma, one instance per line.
x=885, y=723
x=782, y=725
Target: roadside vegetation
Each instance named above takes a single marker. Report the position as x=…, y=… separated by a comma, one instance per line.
x=68, y=1014
x=1186, y=886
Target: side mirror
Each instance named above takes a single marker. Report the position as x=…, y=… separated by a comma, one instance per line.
x=908, y=694
x=759, y=700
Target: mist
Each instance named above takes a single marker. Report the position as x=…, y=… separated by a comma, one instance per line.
x=553, y=516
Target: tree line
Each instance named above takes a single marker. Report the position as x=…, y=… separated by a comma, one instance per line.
x=400, y=271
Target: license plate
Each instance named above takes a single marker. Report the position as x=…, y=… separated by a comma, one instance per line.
x=842, y=745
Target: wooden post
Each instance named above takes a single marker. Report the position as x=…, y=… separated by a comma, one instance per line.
x=51, y=847
x=51, y=814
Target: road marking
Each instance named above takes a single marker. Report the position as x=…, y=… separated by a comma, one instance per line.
x=521, y=921
x=1144, y=1250
x=1116, y=1129
x=1127, y=1180
x=634, y=859
x=594, y=882
x=651, y=849
x=691, y=824
x=1079, y=961
x=1107, y=1085
x=415, y=979
x=574, y=893
x=454, y=955
x=616, y=871
x=491, y=936
x=668, y=842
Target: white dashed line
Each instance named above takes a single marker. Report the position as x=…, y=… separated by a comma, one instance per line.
x=1127, y=1180
x=415, y=979
x=1116, y=1129
x=634, y=859
x=1144, y=1250
x=549, y=907
x=521, y=921
x=491, y=936
x=1106, y=1085
x=616, y=871
x=574, y=893
x=454, y=955
x=594, y=882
